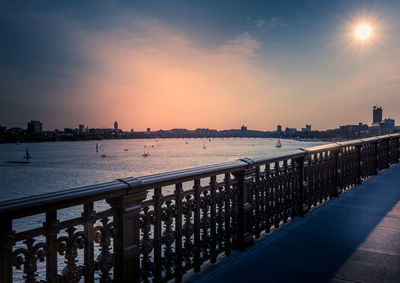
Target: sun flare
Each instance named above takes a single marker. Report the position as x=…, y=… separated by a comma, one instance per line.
x=363, y=31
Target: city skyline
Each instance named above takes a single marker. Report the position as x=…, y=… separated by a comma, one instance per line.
x=377, y=117
x=194, y=65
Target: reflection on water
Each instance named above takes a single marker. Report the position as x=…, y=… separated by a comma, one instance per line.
x=61, y=165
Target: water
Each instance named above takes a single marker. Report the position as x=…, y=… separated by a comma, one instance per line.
x=58, y=166
x=63, y=165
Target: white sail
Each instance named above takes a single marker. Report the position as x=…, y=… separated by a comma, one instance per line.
x=145, y=151
x=278, y=144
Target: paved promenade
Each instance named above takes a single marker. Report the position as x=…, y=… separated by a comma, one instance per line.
x=353, y=238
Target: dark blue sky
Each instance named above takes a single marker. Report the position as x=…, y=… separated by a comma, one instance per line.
x=58, y=57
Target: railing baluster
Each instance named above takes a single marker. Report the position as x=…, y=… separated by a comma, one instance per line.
x=267, y=198
x=227, y=216
x=7, y=242
x=178, y=232
x=197, y=247
x=51, y=226
x=213, y=220
x=257, y=215
x=127, y=241
x=285, y=189
x=89, y=219
x=157, y=198
x=338, y=173
x=244, y=231
x=301, y=211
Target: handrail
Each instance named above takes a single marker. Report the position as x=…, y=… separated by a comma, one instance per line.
x=160, y=234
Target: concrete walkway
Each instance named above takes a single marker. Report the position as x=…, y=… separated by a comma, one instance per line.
x=353, y=238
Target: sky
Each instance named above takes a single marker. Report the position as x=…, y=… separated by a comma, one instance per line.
x=194, y=64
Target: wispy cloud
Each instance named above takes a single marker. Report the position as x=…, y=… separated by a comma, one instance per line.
x=267, y=24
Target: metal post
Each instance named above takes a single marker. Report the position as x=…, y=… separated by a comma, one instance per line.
x=338, y=173
x=359, y=165
x=51, y=225
x=243, y=182
x=376, y=164
x=127, y=241
x=302, y=206
x=6, y=251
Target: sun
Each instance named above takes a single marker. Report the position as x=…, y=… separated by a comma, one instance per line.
x=363, y=31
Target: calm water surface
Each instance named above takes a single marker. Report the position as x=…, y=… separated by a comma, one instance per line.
x=57, y=166
x=63, y=165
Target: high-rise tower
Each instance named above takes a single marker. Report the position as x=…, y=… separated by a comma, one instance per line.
x=377, y=115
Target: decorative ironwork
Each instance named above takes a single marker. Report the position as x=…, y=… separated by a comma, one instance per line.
x=105, y=260
x=68, y=247
x=28, y=258
x=161, y=238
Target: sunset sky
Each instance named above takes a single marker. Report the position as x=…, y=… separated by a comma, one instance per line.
x=190, y=64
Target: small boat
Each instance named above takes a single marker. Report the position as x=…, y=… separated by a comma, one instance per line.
x=17, y=142
x=209, y=140
x=97, y=147
x=126, y=148
x=102, y=152
x=27, y=155
x=187, y=142
x=278, y=144
x=204, y=146
x=145, y=152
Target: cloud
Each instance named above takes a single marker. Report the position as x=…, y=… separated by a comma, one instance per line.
x=267, y=24
x=148, y=74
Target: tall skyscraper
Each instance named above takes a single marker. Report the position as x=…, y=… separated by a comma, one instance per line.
x=377, y=115
x=116, y=125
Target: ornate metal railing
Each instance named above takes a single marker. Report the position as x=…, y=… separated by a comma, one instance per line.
x=157, y=227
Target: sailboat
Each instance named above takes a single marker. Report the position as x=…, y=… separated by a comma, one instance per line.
x=97, y=147
x=27, y=155
x=278, y=144
x=126, y=148
x=204, y=146
x=187, y=142
x=145, y=152
x=102, y=152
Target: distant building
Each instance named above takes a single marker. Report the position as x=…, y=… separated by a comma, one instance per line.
x=116, y=126
x=205, y=132
x=386, y=127
x=35, y=127
x=243, y=130
x=376, y=115
x=354, y=129
x=81, y=128
x=306, y=129
x=289, y=131
x=279, y=129
x=15, y=130
x=148, y=130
